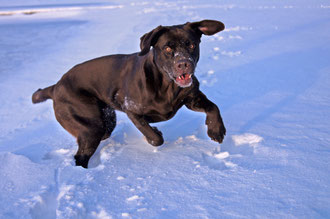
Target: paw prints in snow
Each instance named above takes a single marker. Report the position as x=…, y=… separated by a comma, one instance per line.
x=230, y=54
x=218, y=160
x=222, y=160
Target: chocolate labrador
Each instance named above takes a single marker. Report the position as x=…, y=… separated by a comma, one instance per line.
x=149, y=86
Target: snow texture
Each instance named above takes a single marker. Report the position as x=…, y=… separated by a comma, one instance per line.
x=269, y=73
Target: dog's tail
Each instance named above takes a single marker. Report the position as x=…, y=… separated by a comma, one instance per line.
x=42, y=95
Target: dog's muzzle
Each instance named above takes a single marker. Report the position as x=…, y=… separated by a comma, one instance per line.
x=184, y=70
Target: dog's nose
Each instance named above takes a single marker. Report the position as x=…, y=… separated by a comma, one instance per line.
x=184, y=66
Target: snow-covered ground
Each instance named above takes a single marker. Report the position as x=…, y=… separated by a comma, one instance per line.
x=269, y=73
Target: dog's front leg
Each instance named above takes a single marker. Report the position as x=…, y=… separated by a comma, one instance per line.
x=215, y=127
x=152, y=134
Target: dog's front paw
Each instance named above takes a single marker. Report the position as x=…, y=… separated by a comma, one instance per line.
x=157, y=131
x=217, y=133
x=157, y=139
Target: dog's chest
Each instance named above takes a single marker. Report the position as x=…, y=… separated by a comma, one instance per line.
x=161, y=109
x=153, y=109
x=131, y=104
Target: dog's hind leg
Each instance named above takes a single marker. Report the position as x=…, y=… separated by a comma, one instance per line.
x=84, y=118
x=88, y=143
x=109, y=118
x=89, y=140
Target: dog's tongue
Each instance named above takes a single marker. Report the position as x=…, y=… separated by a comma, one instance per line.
x=186, y=76
x=184, y=79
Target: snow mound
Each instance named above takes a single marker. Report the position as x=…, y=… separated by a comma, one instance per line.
x=247, y=138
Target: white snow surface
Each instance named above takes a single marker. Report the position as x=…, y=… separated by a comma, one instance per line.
x=269, y=73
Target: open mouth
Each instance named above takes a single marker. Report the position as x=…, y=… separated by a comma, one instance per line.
x=184, y=80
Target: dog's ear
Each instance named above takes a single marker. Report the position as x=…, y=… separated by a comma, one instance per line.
x=207, y=27
x=150, y=39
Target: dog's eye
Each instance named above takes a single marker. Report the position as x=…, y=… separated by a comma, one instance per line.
x=192, y=46
x=168, y=49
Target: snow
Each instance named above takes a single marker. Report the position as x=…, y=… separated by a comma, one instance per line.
x=246, y=138
x=268, y=72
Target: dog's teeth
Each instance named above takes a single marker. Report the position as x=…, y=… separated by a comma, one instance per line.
x=189, y=76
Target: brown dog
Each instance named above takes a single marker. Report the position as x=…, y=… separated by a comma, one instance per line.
x=149, y=86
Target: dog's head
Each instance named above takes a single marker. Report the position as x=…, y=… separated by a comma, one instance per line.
x=176, y=48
